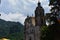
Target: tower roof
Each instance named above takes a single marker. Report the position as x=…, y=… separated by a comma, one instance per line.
x=39, y=3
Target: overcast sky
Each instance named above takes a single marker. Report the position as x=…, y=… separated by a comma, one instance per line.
x=17, y=10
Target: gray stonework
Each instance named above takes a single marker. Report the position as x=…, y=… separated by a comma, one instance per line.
x=37, y=32
x=32, y=25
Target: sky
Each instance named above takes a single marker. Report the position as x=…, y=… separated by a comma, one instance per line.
x=17, y=10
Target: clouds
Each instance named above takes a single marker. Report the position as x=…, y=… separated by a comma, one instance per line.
x=12, y=2
x=45, y=5
x=18, y=5
x=16, y=17
x=17, y=10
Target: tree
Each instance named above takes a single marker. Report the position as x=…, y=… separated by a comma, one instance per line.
x=54, y=2
x=44, y=30
x=52, y=32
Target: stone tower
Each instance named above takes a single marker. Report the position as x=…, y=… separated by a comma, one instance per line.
x=39, y=15
x=32, y=25
x=39, y=20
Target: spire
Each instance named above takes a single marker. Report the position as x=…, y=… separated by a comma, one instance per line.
x=39, y=3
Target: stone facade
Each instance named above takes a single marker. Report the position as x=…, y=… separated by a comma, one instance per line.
x=32, y=25
x=29, y=29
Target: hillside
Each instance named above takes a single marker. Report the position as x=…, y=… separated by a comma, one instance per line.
x=11, y=30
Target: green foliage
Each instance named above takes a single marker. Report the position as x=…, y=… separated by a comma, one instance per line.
x=11, y=30
x=47, y=34
x=51, y=1
x=51, y=32
x=16, y=36
x=44, y=30
x=54, y=2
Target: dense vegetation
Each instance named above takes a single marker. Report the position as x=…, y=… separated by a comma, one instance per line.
x=52, y=32
x=11, y=30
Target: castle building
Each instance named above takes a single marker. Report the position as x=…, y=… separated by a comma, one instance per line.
x=32, y=25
